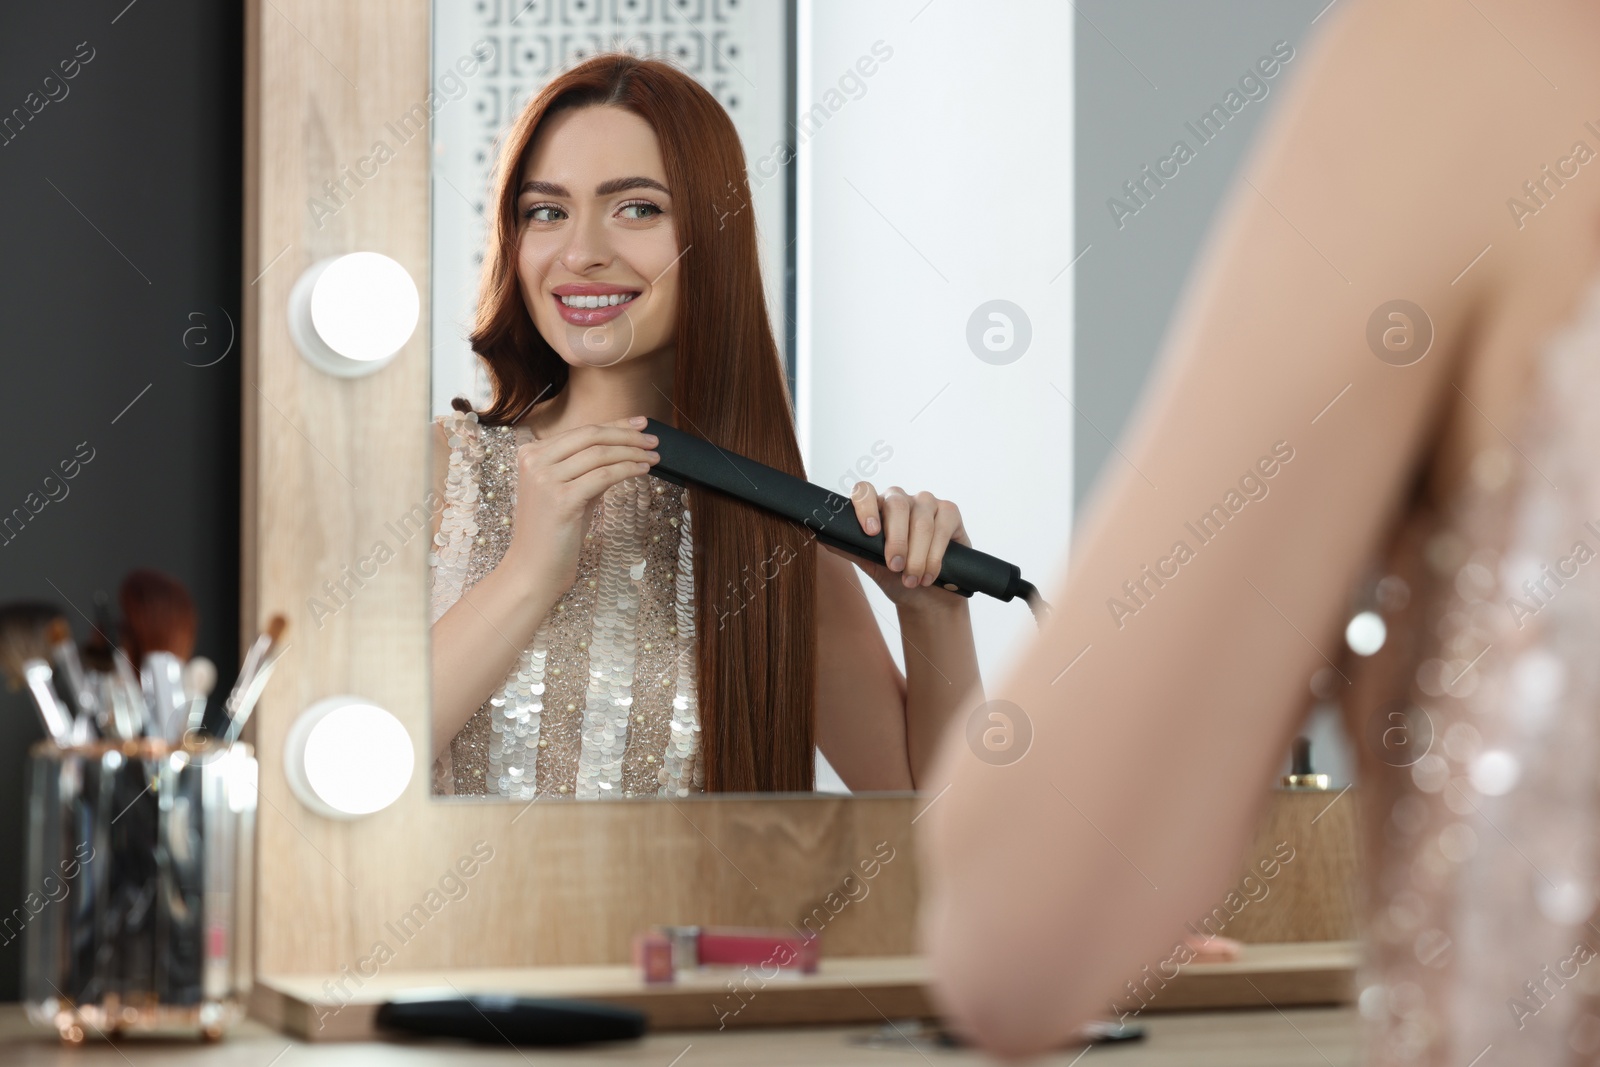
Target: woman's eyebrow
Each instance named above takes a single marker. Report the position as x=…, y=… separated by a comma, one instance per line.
x=618, y=185
x=606, y=188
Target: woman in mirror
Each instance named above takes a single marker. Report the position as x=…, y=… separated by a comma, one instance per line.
x=596, y=632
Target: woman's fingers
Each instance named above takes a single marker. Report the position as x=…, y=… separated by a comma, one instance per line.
x=865, y=499
x=924, y=510
x=598, y=480
x=947, y=527
x=569, y=443
x=600, y=455
x=917, y=531
x=569, y=469
x=895, y=507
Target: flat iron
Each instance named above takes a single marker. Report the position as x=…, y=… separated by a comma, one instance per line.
x=688, y=460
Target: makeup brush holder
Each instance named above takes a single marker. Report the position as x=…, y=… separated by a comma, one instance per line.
x=138, y=905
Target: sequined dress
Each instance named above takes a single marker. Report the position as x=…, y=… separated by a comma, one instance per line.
x=602, y=702
x=1478, y=725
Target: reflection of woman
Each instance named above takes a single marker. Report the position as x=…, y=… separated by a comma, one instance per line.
x=1426, y=156
x=595, y=633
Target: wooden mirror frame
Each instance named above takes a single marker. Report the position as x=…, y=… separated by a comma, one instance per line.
x=327, y=463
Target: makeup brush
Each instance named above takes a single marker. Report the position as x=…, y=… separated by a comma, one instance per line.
x=258, y=649
x=247, y=703
x=112, y=718
x=24, y=652
x=199, y=679
x=126, y=679
x=66, y=677
x=69, y=670
x=159, y=616
x=247, y=688
x=97, y=649
x=111, y=675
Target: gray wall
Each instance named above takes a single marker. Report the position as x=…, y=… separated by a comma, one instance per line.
x=122, y=223
x=1144, y=69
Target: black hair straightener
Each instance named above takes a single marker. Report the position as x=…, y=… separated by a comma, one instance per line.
x=691, y=461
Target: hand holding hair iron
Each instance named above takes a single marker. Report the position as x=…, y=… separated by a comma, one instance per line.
x=690, y=461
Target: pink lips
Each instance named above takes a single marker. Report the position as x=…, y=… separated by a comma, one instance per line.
x=590, y=316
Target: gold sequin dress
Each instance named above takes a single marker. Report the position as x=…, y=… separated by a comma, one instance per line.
x=1479, y=730
x=601, y=704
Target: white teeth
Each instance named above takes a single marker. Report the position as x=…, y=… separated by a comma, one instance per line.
x=597, y=301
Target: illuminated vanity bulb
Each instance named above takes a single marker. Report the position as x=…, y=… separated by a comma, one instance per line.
x=349, y=315
x=346, y=757
x=1366, y=633
x=1495, y=772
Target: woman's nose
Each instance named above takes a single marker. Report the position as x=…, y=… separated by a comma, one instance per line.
x=587, y=245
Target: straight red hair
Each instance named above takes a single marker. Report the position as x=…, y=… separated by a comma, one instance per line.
x=756, y=635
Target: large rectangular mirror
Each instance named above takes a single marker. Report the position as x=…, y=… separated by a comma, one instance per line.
x=784, y=228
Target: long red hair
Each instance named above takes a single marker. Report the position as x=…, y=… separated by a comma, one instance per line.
x=756, y=635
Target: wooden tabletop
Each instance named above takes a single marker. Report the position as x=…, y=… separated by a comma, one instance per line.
x=846, y=991
x=1313, y=1037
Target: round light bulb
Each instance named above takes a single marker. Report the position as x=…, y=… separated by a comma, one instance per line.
x=349, y=315
x=346, y=757
x=1366, y=633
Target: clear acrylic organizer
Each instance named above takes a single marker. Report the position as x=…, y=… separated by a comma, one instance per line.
x=138, y=905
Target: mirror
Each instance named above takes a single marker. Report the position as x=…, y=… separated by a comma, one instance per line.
x=766, y=235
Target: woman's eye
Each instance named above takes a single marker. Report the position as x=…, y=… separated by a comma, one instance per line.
x=639, y=209
x=543, y=213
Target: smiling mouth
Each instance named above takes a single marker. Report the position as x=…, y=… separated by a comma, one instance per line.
x=606, y=300
x=593, y=309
